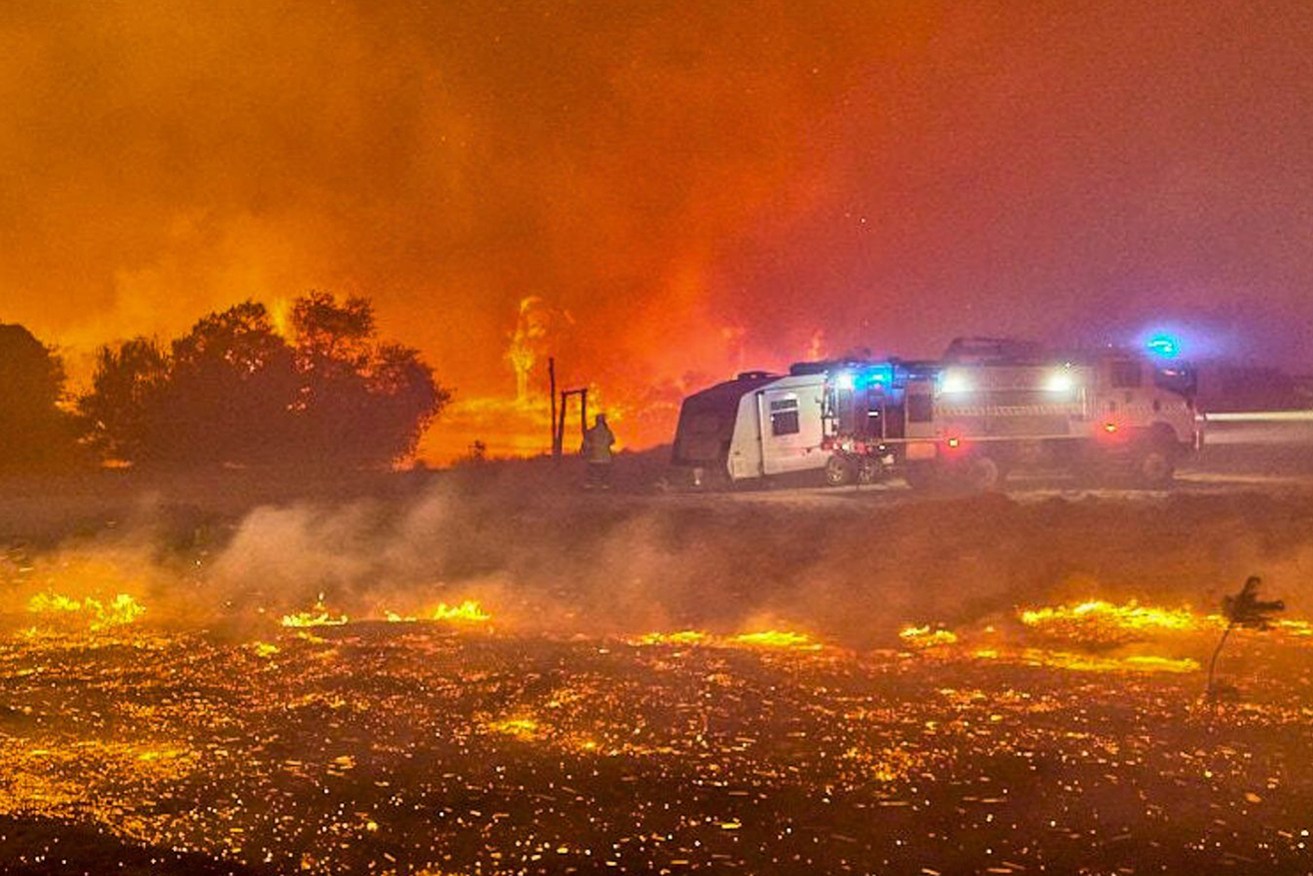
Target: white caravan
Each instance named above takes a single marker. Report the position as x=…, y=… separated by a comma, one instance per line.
x=754, y=426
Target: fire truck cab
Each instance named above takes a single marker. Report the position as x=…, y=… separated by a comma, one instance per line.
x=990, y=406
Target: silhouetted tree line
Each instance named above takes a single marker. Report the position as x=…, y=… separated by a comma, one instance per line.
x=232, y=390
x=35, y=432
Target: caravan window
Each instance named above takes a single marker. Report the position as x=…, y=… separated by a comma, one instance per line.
x=784, y=417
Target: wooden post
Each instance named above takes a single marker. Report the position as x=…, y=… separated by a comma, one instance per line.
x=551, y=394
x=560, y=423
x=583, y=412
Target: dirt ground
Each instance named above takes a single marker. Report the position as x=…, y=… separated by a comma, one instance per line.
x=491, y=670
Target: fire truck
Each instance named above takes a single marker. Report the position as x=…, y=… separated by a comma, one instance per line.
x=992, y=406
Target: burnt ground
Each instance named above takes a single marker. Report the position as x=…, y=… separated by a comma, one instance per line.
x=914, y=720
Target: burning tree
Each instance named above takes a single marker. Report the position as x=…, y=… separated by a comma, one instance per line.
x=1244, y=609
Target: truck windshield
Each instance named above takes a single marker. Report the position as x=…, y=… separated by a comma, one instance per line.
x=1179, y=379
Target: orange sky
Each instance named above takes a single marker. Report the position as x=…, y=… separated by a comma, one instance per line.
x=685, y=188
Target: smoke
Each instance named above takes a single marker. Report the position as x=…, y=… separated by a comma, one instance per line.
x=237, y=551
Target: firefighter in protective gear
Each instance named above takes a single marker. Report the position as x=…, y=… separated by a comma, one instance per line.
x=597, y=452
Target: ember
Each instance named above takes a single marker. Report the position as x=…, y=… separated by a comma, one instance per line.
x=396, y=746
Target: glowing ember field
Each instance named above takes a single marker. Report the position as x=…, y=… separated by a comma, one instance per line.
x=470, y=683
x=386, y=747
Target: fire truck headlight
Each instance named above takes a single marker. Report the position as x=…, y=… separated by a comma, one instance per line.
x=1060, y=382
x=954, y=382
x=843, y=380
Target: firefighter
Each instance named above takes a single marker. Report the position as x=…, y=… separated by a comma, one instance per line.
x=597, y=452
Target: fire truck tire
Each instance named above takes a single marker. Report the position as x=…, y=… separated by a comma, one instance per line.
x=983, y=473
x=1155, y=468
x=840, y=471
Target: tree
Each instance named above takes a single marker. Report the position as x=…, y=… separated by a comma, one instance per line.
x=231, y=388
x=123, y=410
x=34, y=432
x=360, y=401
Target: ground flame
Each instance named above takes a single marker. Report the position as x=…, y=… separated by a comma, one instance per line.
x=468, y=612
x=683, y=637
x=925, y=637
x=777, y=639
x=122, y=609
x=1104, y=623
x=319, y=616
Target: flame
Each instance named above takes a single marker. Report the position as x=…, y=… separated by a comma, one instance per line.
x=764, y=639
x=1294, y=627
x=280, y=316
x=1099, y=622
x=468, y=612
x=924, y=637
x=318, y=616
x=531, y=328
x=1086, y=663
x=777, y=639
x=120, y=610
x=683, y=637
x=522, y=727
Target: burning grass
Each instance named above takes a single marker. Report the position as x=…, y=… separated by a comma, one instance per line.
x=94, y=614
x=1095, y=623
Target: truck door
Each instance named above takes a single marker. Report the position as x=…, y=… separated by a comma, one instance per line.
x=790, y=429
x=919, y=420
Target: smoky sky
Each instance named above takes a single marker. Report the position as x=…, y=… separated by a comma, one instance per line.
x=691, y=188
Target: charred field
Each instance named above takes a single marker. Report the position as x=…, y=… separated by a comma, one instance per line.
x=489, y=671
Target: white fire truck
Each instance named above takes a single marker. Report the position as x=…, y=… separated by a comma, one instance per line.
x=991, y=406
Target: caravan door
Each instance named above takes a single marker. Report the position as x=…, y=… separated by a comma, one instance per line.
x=790, y=418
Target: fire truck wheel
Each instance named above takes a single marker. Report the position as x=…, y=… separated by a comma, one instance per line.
x=840, y=471
x=983, y=473
x=920, y=475
x=1155, y=468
